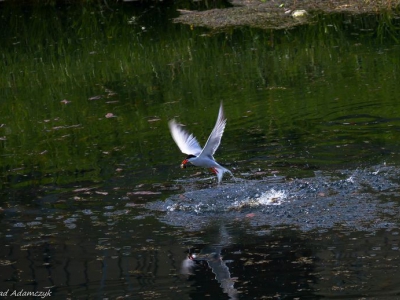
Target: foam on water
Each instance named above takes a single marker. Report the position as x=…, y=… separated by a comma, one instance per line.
x=270, y=197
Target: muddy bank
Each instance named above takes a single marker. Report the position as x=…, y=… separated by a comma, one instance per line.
x=352, y=199
x=272, y=14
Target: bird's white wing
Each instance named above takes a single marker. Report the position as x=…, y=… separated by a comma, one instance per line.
x=185, y=141
x=215, y=137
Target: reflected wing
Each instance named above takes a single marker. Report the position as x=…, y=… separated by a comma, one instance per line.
x=215, y=137
x=185, y=141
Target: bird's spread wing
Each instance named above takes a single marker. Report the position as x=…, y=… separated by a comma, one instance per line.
x=215, y=137
x=185, y=141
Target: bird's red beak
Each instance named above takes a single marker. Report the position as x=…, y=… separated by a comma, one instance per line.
x=183, y=164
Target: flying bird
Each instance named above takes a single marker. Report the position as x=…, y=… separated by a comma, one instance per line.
x=197, y=156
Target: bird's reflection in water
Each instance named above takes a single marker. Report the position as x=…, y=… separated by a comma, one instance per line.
x=211, y=255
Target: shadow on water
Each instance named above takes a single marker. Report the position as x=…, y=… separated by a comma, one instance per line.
x=93, y=204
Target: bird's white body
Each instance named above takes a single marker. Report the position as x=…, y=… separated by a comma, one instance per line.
x=210, y=163
x=197, y=156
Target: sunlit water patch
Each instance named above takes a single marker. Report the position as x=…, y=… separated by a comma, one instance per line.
x=359, y=199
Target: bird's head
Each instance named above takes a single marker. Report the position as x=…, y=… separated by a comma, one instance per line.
x=188, y=159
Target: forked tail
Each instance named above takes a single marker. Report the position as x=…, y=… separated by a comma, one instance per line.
x=219, y=171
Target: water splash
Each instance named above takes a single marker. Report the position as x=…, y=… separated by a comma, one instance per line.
x=270, y=197
x=361, y=199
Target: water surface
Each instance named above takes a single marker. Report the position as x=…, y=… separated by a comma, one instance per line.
x=87, y=161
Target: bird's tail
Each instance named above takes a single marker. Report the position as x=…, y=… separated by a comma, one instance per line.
x=220, y=172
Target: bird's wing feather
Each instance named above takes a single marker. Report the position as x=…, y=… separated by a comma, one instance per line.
x=215, y=137
x=186, y=142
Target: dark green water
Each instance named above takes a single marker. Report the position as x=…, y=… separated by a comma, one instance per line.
x=86, y=93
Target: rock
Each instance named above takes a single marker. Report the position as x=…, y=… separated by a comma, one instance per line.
x=301, y=13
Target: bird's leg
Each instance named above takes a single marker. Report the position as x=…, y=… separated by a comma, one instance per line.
x=214, y=170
